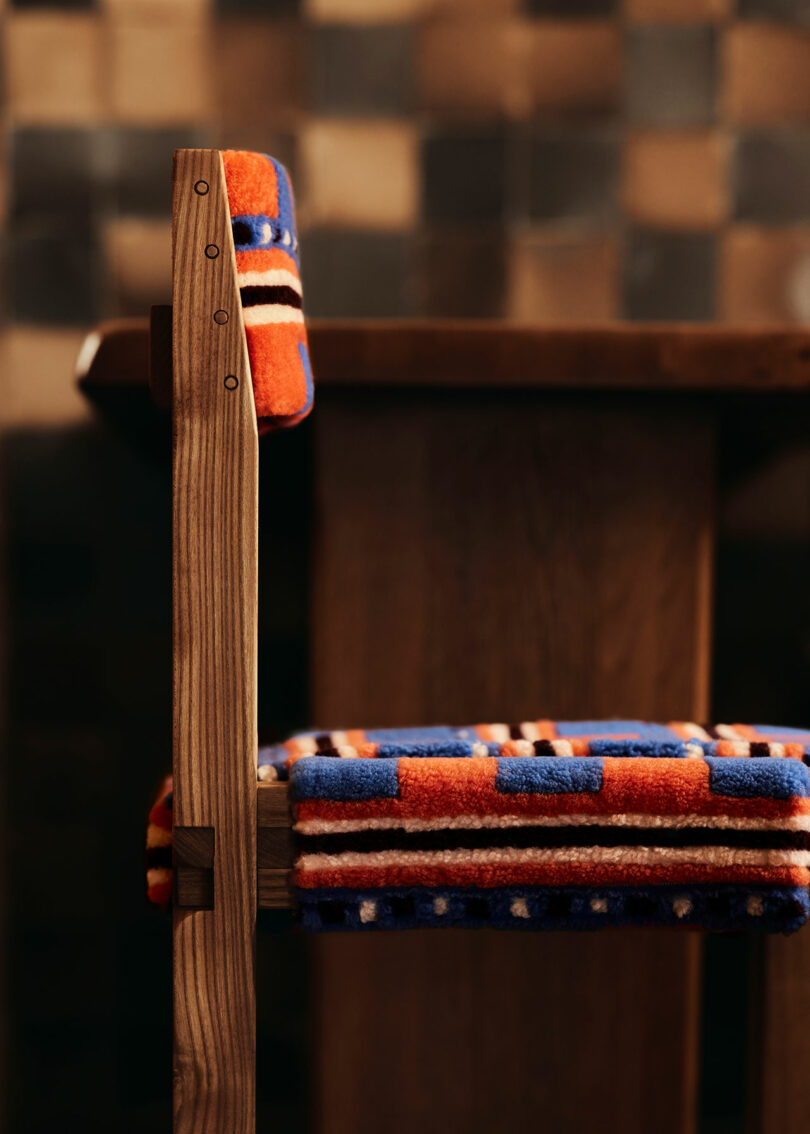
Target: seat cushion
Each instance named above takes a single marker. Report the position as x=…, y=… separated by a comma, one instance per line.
x=546, y=825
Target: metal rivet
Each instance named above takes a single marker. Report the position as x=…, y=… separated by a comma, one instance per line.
x=221, y=317
x=231, y=382
x=201, y=187
x=211, y=251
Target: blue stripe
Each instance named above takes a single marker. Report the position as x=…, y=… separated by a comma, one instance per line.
x=740, y=776
x=426, y=732
x=322, y=777
x=642, y=729
x=303, y=354
x=538, y=774
x=714, y=907
x=667, y=748
x=415, y=750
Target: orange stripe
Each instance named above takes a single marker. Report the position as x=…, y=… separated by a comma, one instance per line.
x=355, y=736
x=646, y=785
x=547, y=730
x=263, y=259
x=547, y=874
x=250, y=180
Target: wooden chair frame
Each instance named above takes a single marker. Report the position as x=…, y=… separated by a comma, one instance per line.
x=232, y=835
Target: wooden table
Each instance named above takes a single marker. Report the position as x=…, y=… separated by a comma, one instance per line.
x=511, y=522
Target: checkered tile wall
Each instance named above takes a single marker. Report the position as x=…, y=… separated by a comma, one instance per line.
x=544, y=160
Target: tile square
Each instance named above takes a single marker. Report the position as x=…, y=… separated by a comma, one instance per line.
x=765, y=275
x=570, y=8
x=671, y=75
x=272, y=9
x=53, y=63
x=357, y=274
x=364, y=71
x=52, y=401
x=160, y=70
x=793, y=11
x=464, y=177
x=50, y=5
x=137, y=264
x=358, y=174
x=473, y=68
x=463, y=274
x=53, y=173
x=669, y=275
x=677, y=11
x=676, y=179
x=52, y=273
x=363, y=11
x=490, y=9
x=137, y=166
x=772, y=176
x=575, y=67
x=563, y=279
x=267, y=56
x=766, y=74
x=573, y=176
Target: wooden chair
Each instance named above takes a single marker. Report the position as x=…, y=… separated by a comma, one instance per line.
x=548, y=411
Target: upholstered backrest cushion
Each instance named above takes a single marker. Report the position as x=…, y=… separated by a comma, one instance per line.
x=263, y=219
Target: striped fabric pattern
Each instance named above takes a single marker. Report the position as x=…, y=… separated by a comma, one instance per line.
x=552, y=825
x=543, y=825
x=262, y=212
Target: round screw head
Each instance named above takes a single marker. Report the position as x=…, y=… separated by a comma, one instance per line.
x=231, y=382
x=211, y=251
x=201, y=187
x=221, y=317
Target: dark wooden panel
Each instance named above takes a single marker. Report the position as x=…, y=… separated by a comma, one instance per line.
x=785, y=1013
x=504, y=559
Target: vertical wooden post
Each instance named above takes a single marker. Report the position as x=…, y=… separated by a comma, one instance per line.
x=215, y=548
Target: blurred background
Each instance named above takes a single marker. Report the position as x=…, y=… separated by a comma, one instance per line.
x=544, y=160
x=548, y=161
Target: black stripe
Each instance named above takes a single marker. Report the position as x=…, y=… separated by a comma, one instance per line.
x=760, y=748
x=323, y=743
x=515, y=732
x=157, y=857
x=544, y=748
x=285, y=296
x=526, y=837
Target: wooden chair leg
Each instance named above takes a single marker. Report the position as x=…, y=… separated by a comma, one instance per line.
x=215, y=557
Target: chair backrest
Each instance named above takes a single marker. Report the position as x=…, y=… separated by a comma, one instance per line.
x=262, y=211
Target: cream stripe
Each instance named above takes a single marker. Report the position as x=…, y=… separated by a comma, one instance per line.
x=495, y=856
x=695, y=731
x=479, y=822
x=265, y=313
x=273, y=277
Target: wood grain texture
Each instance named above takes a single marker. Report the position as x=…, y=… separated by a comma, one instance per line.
x=503, y=558
x=214, y=524
x=623, y=356
x=440, y=352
